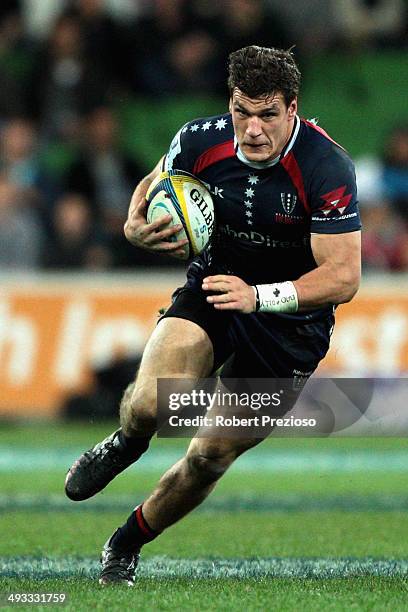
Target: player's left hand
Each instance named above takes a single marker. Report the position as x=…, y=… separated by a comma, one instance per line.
x=233, y=293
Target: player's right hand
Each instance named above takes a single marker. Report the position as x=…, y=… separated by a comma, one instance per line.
x=152, y=236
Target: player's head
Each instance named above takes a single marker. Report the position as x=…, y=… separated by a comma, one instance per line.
x=264, y=85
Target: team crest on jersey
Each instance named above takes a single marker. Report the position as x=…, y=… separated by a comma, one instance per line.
x=288, y=202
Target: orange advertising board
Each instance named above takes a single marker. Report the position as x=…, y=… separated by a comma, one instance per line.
x=54, y=330
x=371, y=333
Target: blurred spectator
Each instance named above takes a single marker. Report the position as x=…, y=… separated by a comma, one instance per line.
x=125, y=11
x=65, y=82
x=310, y=24
x=102, y=39
x=106, y=177
x=193, y=62
x=369, y=178
x=249, y=22
x=234, y=24
x=40, y=16
x=75, y=242
x=384, y=239
x=370, y=23
x=103, y=173
x=395, y=170
x=383, y=193
x=16, y=62
x=18, y=153
x=19, y=157
x=21, y=236
x=173, y=52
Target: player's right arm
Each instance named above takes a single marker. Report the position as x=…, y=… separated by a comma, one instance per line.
x=151, y=236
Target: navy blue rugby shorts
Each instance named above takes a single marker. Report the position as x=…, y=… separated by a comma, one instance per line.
x=256, y=345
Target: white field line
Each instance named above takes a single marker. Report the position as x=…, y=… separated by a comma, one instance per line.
x=164, y=567
x=271, y=460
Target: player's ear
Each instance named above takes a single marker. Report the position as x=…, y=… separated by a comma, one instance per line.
x=292, y=109
x=230, y=105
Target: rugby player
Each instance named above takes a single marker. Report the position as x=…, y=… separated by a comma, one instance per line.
x=261, y=299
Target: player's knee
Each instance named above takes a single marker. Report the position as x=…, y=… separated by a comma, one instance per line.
x=138, y=408
x=207, y=467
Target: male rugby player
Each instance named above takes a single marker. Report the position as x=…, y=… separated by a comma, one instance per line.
x=261, y=299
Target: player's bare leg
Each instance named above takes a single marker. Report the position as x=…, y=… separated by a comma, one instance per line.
x=180, y=490
x=177, y=349
x=185, y=485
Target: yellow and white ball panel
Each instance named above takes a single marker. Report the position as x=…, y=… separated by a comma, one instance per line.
x=189, y=202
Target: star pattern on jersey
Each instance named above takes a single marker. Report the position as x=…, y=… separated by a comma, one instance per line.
x=253, y=180
x=220, y=124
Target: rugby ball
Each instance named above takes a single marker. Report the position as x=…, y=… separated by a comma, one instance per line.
x=189, y=203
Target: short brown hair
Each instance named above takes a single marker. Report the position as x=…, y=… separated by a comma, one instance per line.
x=262, y=71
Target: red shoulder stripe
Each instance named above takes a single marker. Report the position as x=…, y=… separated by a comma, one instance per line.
x=213, y=155
x=292, y=168
x=322, y=132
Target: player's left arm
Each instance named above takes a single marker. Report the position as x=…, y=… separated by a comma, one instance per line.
x=337, y=277
x=335, y=281
x=335, y=237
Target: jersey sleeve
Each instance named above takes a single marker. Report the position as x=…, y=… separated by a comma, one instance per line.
x=181, y=154
x=333, y=195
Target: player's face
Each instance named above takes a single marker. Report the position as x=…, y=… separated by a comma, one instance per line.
x=262, y=126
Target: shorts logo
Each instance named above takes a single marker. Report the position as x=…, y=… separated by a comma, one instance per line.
x=288, y=202
x=300, y=379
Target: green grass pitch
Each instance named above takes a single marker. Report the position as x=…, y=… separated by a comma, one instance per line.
x=302, y=525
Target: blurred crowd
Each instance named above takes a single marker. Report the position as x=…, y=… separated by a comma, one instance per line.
x=65, y=178
x=383, y=194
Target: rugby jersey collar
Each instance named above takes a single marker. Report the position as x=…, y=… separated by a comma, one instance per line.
x=273, y=162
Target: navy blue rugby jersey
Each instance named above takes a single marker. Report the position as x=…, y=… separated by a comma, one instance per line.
x=265, y=213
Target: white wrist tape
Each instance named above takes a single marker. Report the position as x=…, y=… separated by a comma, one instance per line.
x=277, y=297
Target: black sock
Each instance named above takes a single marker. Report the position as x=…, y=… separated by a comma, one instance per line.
x=134, y=533
x=134, y=447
